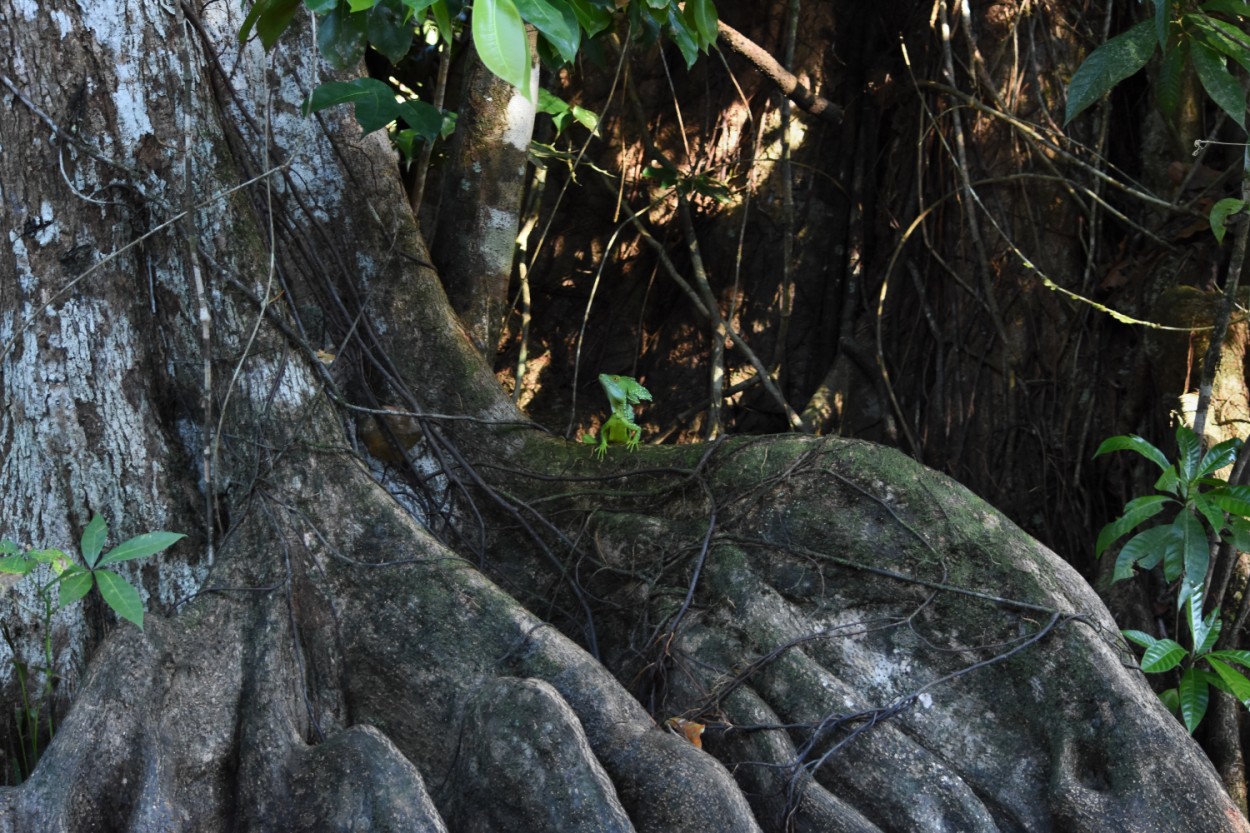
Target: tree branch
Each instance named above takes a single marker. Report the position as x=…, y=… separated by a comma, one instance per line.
x=787, y=81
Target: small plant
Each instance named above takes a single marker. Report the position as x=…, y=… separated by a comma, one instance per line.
x=1207, y=509
x=53, y=570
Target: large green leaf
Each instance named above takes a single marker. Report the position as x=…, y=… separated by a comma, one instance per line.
x=342, y=37
x=1242, y=658
x=120, y=596
x=701, y=15
x=1163, y=655
x=1236, y=682
x=75, y=583
x=1189, y=452
x=1235, y=500
x=389, y=31
x=374, y=100
x=1168, y=85
x=1194, y=694
x=1224, y=37
x=593, y=17
x=499, y=35
x=93, y=539
x=1108, y=65
x=270, y=18
x=1220, y=455
x=141, y=546
x=1135, y=512
x=1141, y=547
x=556, y=21
x=17, y=565
x=1132, y=442
x=1195, y=550
x=683, y=36
x=1219, y=82
x=1220, y=212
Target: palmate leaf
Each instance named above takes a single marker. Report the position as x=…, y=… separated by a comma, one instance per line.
x=1108, y=65
x=93, y=539
x=499, y=35
x=120, y=596
x=141, y=546
x=1194, y=694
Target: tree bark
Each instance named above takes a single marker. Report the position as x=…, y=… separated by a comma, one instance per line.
x=868, y=646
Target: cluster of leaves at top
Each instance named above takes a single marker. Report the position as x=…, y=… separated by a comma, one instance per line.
x=1204, y=36
x=1208, y=509
x=345, y=28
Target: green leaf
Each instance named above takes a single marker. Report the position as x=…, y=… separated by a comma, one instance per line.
x=1171, y=700
x=17, y=565
x=1223, y=37
x=586, y=118
x=1235, y=500
x=1221, y=455
x=1139, y=638
x=1189, y=453
x=499, y=35
x=425, y=119
x=443, y=19
x=1237, y=684
x=93, y=539
x=74, y=585
x=701, y=17
x=141, y=546
x=120, y=596
x=556, y=21
x=374, y=100
x=1108, y=65
x=1194, y=694
x=341, y=37
x=1134, y=443
x=1242, y=658
x=388, y=30
x=320, y=6
x=1143, y=545
x=682, y=36
x=1171, y=74
x=1195, y=551
x=1135, y=512
x=360, y=5
x=1163, y=655
x=1200, y=628
x=591, y=17
x=1163, y=14
x=1210, y=510
x=1220, y=212
x=1219, y=82
x=269, y=18
x=8, y=547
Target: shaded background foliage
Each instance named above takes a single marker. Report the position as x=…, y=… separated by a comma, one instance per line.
x=921, y=225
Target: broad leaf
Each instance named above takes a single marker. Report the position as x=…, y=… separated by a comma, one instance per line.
x=1219, y=82
x=425, y=119
x=499, y=35
x=1205, y=630
x=17, y=565
x=1189, y=453
x=557, y=23
x=341, y=37
x=1132, y=442
x=8, y=547
x=74, y=585
x=93, y=540
x=388, y=30
x=1242, y=658
x=1220, y=212
x=1210, y=510
x=1139, y=638
x=592, y=17
x=1171, y=700
x=1236, y=682
x=1171, y=75
x=1224, y=37
x=1135, y=512
x=374, y=100
x=1140, y=548
x=1235, y=500
x=270, y=19
x=320, y=6
x=442, y=18
x=1163, y=655
x=1220, y=455
x=1196, y=552
x=682, y=36
x=1194, y=695
x=701, y=15
x=1108, y=65
x=120, y=596
x=141, y=546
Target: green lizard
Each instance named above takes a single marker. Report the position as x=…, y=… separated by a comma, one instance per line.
x=623, y=394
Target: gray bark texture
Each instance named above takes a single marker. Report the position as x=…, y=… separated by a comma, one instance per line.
x=867, y=646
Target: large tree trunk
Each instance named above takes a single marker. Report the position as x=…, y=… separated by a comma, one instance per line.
x=867, y=645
